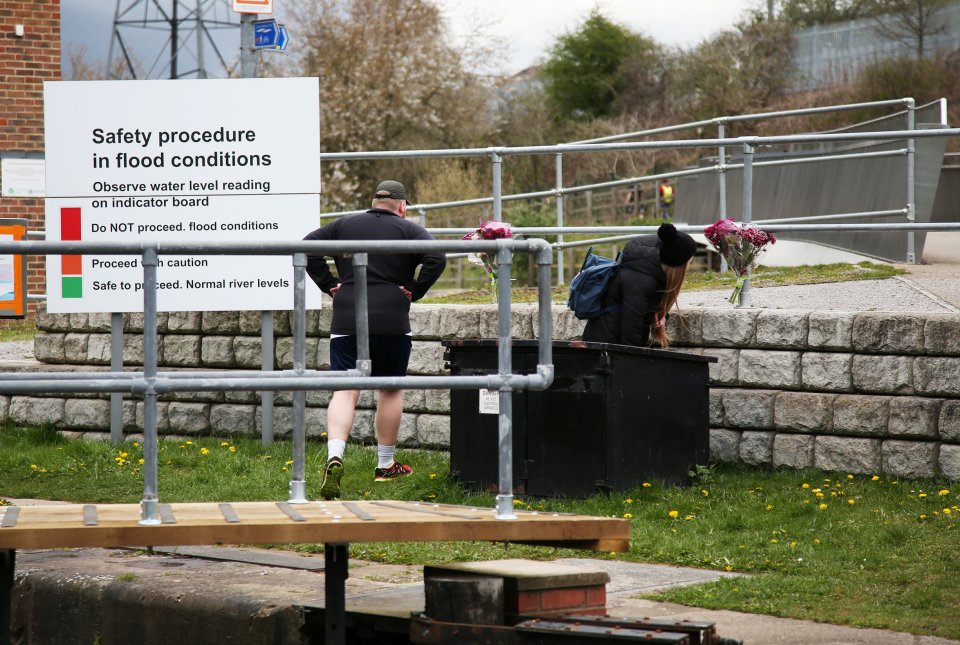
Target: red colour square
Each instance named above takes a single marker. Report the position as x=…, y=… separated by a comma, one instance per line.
x=70, y=224
x=71, y=265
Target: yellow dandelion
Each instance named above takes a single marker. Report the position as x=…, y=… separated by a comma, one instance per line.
x=793, y=544
x=947, y=511
x=628, y=515
x=140, y=461
x=646, y=484
x=290, y=462
x=323, y=434
x=517, y=502
x=728, y=568
x=629, y=500
x=124, y=455
x=268, y=456
x=806, y=501
x=224, y=443
x=769, y=507
x=875, y=478
x=922, y=495
x=922, y=516
x=136, y=444
x=849, y=476
x=189, y=443
x=851, y=502
x=944, y=492
x=33, y=466
x=815, y=490
x=822, y=507
x=774, y=540
x=819, y=495
x=233, y=448
x=284, y=469
x=433, y=475
x=705, y=492
x=674, y=514
x=805, y=485
x=204, y=451
x=688, y=517
x=816, y=540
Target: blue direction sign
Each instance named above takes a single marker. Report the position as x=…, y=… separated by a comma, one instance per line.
x=284, y=39
x=266, y=34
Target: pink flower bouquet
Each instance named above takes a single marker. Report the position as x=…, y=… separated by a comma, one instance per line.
x=492, y=230
x=740, y=246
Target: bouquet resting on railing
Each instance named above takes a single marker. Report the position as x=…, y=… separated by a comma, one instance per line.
x=490, y=230
x=740, y=246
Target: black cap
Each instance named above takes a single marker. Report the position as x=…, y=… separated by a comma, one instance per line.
x=676, y=248
x=390, y=189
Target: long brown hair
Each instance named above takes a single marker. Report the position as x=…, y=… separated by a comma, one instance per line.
x=675, y=278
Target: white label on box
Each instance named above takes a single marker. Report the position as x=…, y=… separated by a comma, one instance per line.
x=489, y=402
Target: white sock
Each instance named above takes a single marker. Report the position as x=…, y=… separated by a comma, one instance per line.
x=385, y=455
x=335, y=448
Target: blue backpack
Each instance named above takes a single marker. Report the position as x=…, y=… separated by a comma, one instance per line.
x=586, y=289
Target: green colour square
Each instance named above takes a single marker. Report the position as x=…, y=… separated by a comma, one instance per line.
x=72, y=286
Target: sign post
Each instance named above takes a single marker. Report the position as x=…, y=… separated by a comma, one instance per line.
x=187, y=160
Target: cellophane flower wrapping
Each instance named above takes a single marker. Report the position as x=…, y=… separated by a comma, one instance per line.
x=740, y=246
x=490, y=230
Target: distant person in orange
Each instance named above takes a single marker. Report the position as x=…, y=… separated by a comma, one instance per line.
x=667, y=193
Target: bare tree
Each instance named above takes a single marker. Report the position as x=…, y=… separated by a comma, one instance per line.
x=389, y=79
x=911, y=22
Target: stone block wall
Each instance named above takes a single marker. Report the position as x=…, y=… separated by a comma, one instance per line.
x=864, y=392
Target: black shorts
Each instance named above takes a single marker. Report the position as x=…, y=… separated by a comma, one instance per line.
x=388, y=354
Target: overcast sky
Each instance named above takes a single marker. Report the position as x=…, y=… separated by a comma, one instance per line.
x=527, y=27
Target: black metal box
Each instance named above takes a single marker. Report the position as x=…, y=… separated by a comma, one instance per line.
x=614, y=417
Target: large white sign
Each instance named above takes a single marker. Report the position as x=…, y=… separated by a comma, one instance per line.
x=180, y=161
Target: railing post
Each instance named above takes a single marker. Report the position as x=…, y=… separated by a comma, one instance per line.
x=116, y=365
x=911, y=181
x=722, y=169
x=561, y=277
x=505, y=497
x=266, y=364
x=298, y=480
x=497, y=160
x=747, y=215
x=148, y=506
x=362, y=313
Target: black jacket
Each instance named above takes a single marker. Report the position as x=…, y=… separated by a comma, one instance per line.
x=389, y=308
x=637, y=287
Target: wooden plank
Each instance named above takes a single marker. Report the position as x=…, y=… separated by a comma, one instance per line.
x=333, y=522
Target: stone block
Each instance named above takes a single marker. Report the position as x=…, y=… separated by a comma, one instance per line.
x=98, y=323
x=756, y=448
x=241, y=397
x=189, y=418
x=48, y=348
x=217, y=351
x=793, y=451
x=414, y=400
x=685, y=327
x=724, y=371
x=75, y=348
x=937, y=376
x=221, y=322
x=729, y=327
x=912, y=416
x=426, y=358
x=847, y=454
x=949, y=462
x=888, y=333
x=407, y=436
x=181, y=350
x=323, y=354
x=233, y=420
x=716, y=408
x=86, y=414
x=724, y=445
x=184, y=322
x=460, y=322
x=941, y=334
x=425, y=321
x=748, y=408
x=910, y=459
x=364, y=428
x=163, y=419
x=808, y=412
x=78, y=322
x=437, y=401
x=36, y=411
x=949, y=423
x=826, y=371
x=246, y=352
x=782, y=329
x=862, y=415
x=521, y=326
x=769, y=369
x=324, y=319
x=284, y=353
x=132, y=349
x=883, y=374
x=51, y=322
x=4, y=408
x=250, y=322
x=133, y=323
x=433, y=431
x=98, y=349
x=566, y=326
x=830, y=330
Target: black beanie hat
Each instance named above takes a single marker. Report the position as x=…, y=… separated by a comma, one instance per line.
x=676, y=248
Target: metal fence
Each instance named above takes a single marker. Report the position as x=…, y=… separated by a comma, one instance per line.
x=150, y=382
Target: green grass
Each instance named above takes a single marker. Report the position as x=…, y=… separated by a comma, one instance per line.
x=17, y=330
x=882, y=553
x=700, y=281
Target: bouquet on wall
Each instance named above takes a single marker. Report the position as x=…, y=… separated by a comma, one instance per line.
x=490, y=230
x=740, y=246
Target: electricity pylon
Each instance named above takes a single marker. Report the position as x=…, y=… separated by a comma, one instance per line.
x=172, y=40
